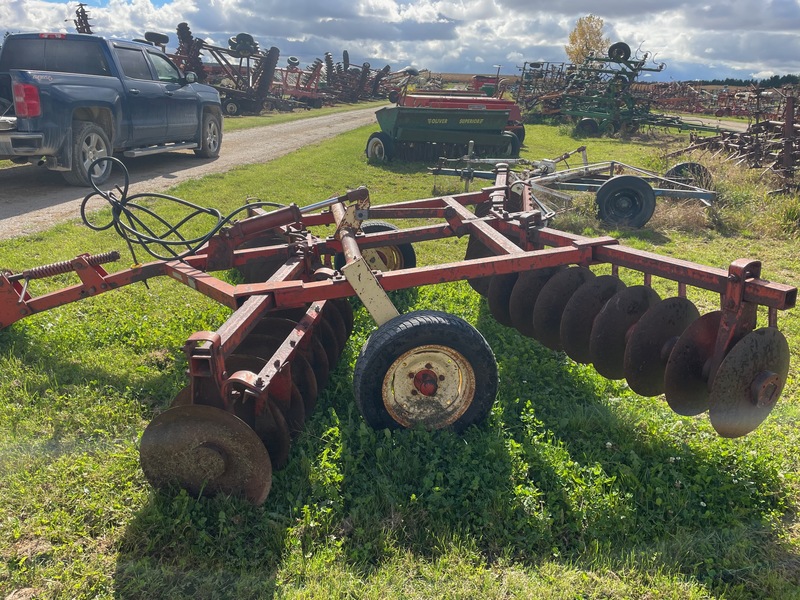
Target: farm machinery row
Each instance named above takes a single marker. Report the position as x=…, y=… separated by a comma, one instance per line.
x=253, y=382
x=250, y=80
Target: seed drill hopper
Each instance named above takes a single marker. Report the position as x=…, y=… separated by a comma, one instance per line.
x=253, y=382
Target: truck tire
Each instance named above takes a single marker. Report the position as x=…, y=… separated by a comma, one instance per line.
x=89, y=142
x=210, y=136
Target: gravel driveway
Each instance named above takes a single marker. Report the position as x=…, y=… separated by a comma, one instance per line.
x=33, y=199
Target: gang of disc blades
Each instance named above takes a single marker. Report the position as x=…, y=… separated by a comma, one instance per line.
x=651, y=341
x=685, y=382
x=610, y=328
x=550, y=304
x=749, y=382
x=579, y=314
x=206, y=450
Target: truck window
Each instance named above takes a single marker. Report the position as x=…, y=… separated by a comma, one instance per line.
x=134, y=64
x=165, y=69
x=63, y=56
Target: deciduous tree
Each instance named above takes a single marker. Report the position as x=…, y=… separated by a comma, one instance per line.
x=587, y=37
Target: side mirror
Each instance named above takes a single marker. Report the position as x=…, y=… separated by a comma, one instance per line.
x=190, y=77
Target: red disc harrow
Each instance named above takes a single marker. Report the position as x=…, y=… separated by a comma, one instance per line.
x=254, y=381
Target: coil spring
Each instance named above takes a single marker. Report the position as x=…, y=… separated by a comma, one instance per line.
x=66, y=266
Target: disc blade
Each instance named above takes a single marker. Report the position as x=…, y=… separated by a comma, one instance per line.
x=477, y=249
x=313, y=352
x=206, y=450
x=498, y=297
x=303, y=377
x=610, y=329
x=271, y=428
x=183, y=397
x=685, y=383
x=346, y=310
x=749, y=382
x=652, y=341
x=579, y=314
x=337, y=323
x=549, y=305
x=526, y=290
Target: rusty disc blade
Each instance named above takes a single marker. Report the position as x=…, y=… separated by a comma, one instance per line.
x=206, y=450
x=336, y=321
x=651, y=342
x=183, y=397
x=610, y=329
x=346, y=310
x=523, y=298
x=685, y=382
x=303, y=377
x=296, y=414
x=271, y=427
x=328, y=340
x=549, y=305
x=498, y=296
x=749, y=382
x=477, y=249
x=261, y=268
x=312, y=349
x=579, y=314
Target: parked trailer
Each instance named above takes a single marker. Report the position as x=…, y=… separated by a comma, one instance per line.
x=413, y=133
x=625, y=195
x=253, y=381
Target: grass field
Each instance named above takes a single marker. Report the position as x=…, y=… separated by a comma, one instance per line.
x=575, y=487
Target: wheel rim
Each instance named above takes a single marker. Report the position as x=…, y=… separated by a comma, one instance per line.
x=385, y=258
x=376, y=149
x=429, y=385
x=93, y=148
x=624, y=205
x=212, y=136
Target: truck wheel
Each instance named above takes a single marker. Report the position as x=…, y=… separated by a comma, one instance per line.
x=626, y=200
x=89, y=142
x=379, y=147
x=211, y=139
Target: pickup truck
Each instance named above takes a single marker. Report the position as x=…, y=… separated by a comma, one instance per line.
x=68, y=99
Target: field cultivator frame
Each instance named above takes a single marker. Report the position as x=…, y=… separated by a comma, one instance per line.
x=253, y=381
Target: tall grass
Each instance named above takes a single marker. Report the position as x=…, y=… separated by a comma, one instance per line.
x=575, y=487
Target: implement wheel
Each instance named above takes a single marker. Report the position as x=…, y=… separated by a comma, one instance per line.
x=626, y=200
x=380, y=147
x=428, y=369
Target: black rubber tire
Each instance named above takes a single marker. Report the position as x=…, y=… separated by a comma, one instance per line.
x=210, y=136
x=405, y=252
x=512, y=146
x=619, y=52
x=625, y=200
x=230, y=107
x=691, y=173
x=419, y=329
x=89, y=142
x=587, y=127
x=380, y=147
x=394, y=96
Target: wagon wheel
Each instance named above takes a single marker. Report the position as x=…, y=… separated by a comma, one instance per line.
x=428, y=369
x=383, y=258
x=749, y=382
x=625, y=200
x=691, y=173
x=619, y=52
x=380, y=147
x=205, y=450
x=587, y=127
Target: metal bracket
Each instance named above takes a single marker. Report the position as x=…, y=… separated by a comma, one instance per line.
x=369, y=290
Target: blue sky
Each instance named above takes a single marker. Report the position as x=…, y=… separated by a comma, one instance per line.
x=741, y=39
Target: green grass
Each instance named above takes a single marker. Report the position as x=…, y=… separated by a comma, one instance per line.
x=575, y=487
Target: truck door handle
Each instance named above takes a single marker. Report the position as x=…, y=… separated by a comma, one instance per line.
x=169, y=93
x=134, y=91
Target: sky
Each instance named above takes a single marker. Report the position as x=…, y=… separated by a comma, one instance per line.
x=694, y=39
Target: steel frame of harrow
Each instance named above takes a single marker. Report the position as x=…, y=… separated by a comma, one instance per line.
x=519, y=241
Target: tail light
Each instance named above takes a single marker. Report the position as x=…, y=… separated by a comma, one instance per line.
x=26, y=100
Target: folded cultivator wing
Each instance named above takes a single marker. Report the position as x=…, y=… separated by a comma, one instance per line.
x=254, y=381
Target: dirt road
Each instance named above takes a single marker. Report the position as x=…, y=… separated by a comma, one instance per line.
x=33, y=199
